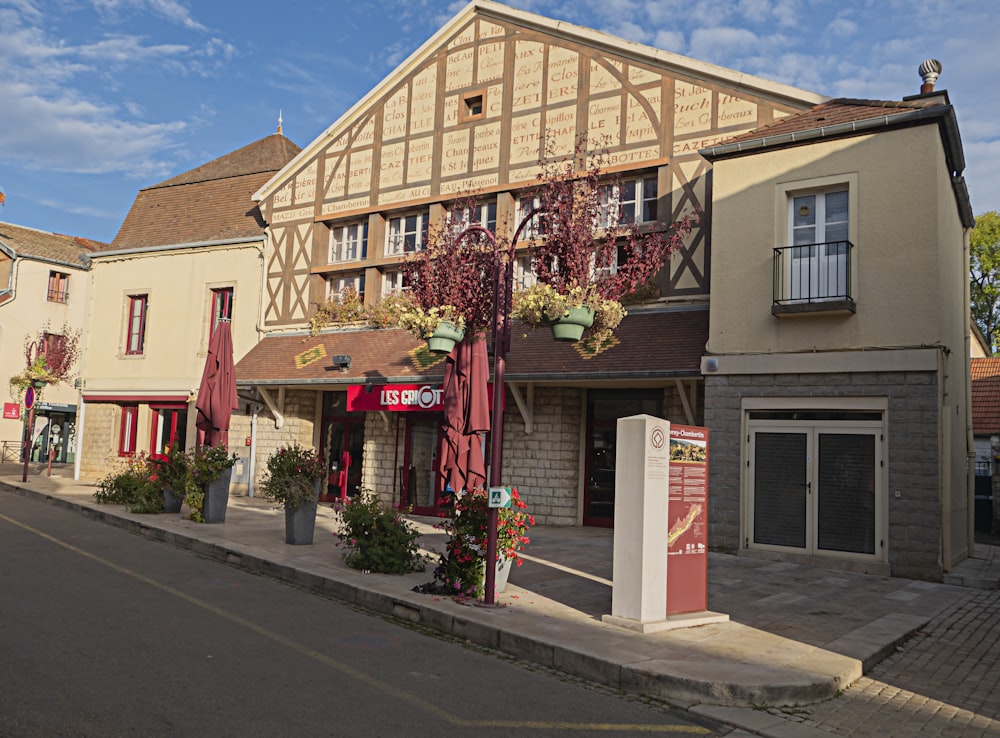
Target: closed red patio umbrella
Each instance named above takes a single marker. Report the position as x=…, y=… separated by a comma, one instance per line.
x=217, y=392
x=466, y=415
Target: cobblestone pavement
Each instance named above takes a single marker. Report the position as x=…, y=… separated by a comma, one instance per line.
x=945, y=681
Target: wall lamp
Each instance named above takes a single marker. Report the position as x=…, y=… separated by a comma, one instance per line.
x=341, y=362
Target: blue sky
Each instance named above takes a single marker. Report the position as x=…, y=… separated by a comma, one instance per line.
x=99, y=98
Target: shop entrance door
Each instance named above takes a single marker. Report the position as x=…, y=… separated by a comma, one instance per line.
x=420, y=484
x=604, y=407
x=342, y=441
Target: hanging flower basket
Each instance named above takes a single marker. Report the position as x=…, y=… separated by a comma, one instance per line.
x=443, y=339
x=570, y=327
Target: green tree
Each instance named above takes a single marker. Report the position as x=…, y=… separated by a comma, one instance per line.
x=984, y=244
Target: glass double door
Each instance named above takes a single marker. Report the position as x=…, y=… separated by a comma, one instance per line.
x=816, y=488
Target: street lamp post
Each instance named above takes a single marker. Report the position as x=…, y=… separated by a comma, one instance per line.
x=503, y=290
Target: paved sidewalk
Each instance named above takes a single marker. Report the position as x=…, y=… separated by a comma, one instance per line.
x=797, y=636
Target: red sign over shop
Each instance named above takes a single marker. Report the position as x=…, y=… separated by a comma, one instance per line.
x=399, y=398
x=687, y=512
x=11, y=411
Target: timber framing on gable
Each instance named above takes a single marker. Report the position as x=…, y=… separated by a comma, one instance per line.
x=477, y=108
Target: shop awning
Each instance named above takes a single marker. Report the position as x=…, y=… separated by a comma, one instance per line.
x=650, y=344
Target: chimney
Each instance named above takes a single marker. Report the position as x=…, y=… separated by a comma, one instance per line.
x=929, y=72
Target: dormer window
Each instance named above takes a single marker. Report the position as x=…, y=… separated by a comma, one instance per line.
x=473, y=106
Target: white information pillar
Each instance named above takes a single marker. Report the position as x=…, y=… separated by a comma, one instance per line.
x=642, y=530
x=642, y=474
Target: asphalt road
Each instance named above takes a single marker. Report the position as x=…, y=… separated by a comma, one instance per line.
x=104, y=633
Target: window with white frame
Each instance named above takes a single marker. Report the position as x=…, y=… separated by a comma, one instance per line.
x=405, y=234
x=818, y=224
x=524, y=275
x=630, y=201
x=348, y=242
x=524, y=206
x=484, y=214
x=393, y=280
x=135, y=330
x=335, y=286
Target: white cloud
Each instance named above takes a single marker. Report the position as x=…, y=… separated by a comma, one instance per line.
x=173, y=11
x=718, y=43
x=71, y=134
x=669, y=40
x=843, y=28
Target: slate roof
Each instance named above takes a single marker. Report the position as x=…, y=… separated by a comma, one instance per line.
x=649, y=344
x=986, y=396
x=211, y=202
x=56, y=246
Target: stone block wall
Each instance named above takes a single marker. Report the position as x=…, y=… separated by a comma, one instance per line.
x=545, y=465
x=299, y=427
x=911, y=454
x=99, y=447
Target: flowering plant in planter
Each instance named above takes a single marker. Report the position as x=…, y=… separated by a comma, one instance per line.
x=460, y=570
x=206, y=464
x=173, y=470
x=542, y=304
x=291, y=476
x=348, y=307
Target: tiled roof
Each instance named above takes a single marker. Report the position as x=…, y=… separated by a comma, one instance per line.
x=986, y=396
x=56, y=246
x=835, y=112
x=647, y=345
x=209, y=203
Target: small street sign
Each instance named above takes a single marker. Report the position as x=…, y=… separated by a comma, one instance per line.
x=499, y=497
x=29, y=398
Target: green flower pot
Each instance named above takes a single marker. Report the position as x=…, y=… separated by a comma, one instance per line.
x=444, y=337
x=571, y=326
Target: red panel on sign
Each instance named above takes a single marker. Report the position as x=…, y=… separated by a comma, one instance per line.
x=687, y=535
x=399, y=397
x=11, y=411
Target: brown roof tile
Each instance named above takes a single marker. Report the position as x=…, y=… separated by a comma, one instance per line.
x=56, y=246
x=834, y=112
x=986, y=396
x=209, y=203
x=648, y=344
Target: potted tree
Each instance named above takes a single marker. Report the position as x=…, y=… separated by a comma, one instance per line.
x=293, y=479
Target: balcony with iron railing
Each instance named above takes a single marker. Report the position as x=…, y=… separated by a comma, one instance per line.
x=813, y=278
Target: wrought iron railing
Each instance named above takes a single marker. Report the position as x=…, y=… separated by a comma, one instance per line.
x=813, y=273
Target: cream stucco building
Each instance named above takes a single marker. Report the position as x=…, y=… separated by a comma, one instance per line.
x=44, y=287
x=189, y=254
x=837, y=366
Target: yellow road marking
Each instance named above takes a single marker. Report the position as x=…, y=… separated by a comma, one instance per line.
x=352, y=672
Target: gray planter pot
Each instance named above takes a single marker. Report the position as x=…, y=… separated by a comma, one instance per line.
x=171, y=503
x=217, y=498
x=301, y=522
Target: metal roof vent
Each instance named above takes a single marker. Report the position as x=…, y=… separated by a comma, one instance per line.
x=929, y=72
